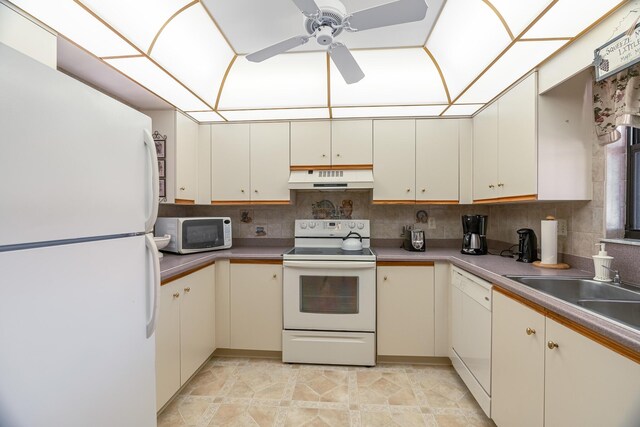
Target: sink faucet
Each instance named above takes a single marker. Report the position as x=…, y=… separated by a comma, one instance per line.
x=616, y=275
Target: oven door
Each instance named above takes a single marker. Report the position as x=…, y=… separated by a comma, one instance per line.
x=330, y=295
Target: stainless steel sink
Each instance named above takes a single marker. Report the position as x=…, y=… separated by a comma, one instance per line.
x=625, y=311
x=621, y=303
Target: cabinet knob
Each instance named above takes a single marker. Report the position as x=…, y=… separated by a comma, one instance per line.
x=424, y=190
x=275, y=275
x=385, y=278
x=187, y=290
x=255, y=191
x=176, y=295
x=338, y=155
x=552, y=345
x=500, y=184
x=242, y=191
x=408, y=190
x=324, y=155
x=182, y=188
x=491, y=186
x=531, y=331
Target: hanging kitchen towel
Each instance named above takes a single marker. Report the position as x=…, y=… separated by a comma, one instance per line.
x=616, y=102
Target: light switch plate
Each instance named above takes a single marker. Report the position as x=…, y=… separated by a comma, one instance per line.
x=562, y=227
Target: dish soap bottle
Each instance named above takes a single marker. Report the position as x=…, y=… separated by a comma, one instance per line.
x=601, y=261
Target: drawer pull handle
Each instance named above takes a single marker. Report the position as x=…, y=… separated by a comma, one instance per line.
x=275, y=275
x=531, y=331
x=486, y=298
x=176, y=295
x=552, y=345
x=187, y=290
x=385, y=277
x=182, y=188
x=491, y=186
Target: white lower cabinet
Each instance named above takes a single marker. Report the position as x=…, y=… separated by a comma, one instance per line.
x=255, y=306
x=547, y=374
x=185, y=335
x=406, y=320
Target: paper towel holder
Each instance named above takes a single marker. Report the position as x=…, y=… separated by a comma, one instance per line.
x=557, y=266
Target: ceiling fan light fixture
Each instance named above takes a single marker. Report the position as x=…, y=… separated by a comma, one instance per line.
x=324, y=35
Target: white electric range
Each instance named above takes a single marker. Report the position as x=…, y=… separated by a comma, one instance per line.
x=329, y=295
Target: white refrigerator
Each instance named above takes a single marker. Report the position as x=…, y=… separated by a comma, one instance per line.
x=79, y=275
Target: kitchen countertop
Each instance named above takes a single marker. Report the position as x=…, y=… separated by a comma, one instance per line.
x=489, y=267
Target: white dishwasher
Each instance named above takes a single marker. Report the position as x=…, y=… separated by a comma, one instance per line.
x=471, y=334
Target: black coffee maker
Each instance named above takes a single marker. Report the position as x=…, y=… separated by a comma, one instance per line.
x=474, y=240
x=527, y=245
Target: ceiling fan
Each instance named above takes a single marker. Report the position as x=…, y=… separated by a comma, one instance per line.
x=325, y=20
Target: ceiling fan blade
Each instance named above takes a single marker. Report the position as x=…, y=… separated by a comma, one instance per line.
x=308, y=7
x=397, y=12
x=345, y=63
x=277, y=48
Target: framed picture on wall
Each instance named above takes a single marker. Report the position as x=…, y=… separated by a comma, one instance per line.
x=160, y=147
x=161, y=188
x=161, y=171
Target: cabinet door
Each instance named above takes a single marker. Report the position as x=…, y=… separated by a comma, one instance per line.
x=197, y=328
x=352, y=142
x=394, y=148
x=517, y=359
x=270, y=162
x=587, y=384
x=168, y=343
x=485, y=153
x=186, y=158
x=310, y=143
x=230, y=174
x=517, y=148
x=256, y=306
x=406, y=322
x=204, y=165
x=437, y=159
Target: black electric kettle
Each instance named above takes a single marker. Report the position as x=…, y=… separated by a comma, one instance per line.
x=527, y=245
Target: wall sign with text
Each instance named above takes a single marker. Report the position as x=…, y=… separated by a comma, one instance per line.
x=617, y=54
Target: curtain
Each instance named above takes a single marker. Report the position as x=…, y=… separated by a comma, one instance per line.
x=616, y=102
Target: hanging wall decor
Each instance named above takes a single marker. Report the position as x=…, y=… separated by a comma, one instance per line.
x=161, y=147
x=617, y=54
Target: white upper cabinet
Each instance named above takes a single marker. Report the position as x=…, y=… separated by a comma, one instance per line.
x=352, y=142
x=186, y=159
x=437, y=153
x=394, y=145
x=230, y=166
x=250, y=162
x=204, y=165
x=485, y=153
x=517, y=160
x=339, y=143
x=311, y=143
x=269, y=162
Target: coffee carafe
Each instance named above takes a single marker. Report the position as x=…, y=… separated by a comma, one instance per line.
x=527, y=245
x=474, y=239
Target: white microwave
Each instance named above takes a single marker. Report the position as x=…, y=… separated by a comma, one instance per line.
x=189, y=235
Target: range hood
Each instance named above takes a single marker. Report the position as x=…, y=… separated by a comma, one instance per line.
x=322, y=179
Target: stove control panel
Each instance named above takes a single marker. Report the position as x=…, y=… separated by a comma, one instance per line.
x=331, y=227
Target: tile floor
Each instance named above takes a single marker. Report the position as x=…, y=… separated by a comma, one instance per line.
x=260, y=392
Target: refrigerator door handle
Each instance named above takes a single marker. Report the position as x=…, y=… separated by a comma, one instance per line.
x=155, y=190
x=154, y=285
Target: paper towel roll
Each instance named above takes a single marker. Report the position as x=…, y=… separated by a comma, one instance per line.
x=549, y=241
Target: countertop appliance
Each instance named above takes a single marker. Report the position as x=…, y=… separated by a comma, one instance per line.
x=474, y=239
x=413, y=239
x=189, y=235
x=329, y=295
x=80, y=273
x=471, y=334
x=527, y=245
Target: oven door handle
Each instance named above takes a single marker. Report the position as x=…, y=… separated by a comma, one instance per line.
x=342, y=265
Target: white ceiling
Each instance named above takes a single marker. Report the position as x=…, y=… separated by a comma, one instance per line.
x=251, y=25
x=189, y=54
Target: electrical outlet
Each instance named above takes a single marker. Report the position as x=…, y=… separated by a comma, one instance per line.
x=562, y=227
x=431, y=223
